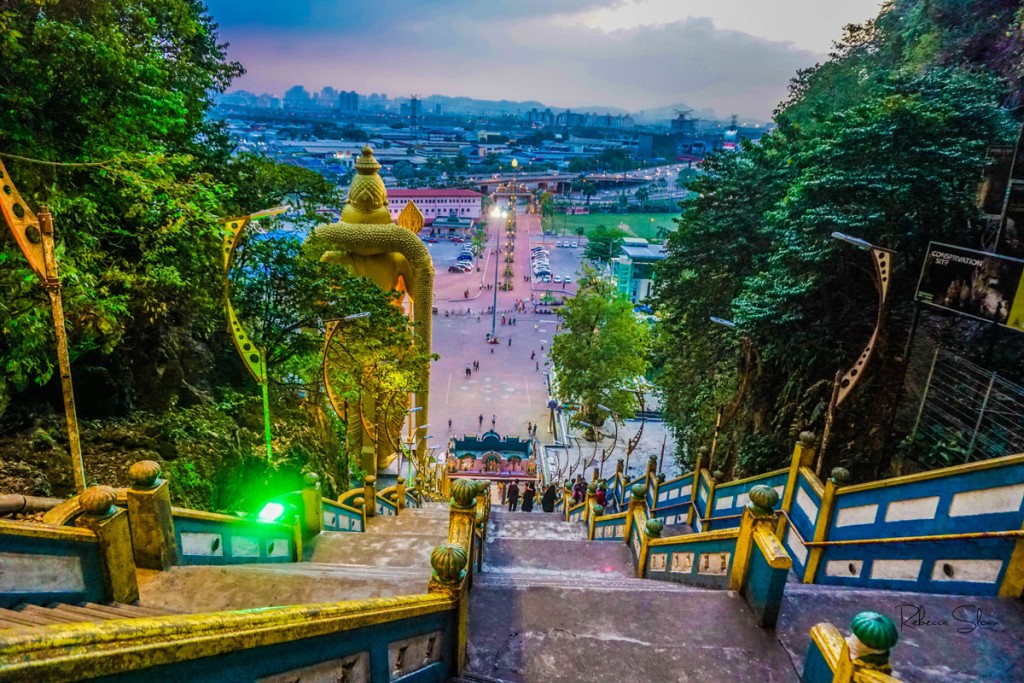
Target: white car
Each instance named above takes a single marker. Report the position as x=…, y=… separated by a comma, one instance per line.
x=558, y=279
x=567, y=280
x=575, y=245
x=546, y=278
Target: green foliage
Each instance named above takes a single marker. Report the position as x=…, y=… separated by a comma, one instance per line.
x=884, y=142
x=603, y=243
x=603, y=349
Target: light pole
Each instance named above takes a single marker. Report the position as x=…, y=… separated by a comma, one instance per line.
x=845, y=381
x=497, y=260
x=596, y=433
x=615, y=437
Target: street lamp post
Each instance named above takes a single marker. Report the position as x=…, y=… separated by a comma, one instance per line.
x=596, y=433
x=845, y=381
x=615, y=436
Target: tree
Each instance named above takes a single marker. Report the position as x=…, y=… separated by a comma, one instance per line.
x=603, y=243
x=643, y=195
x=603, y=349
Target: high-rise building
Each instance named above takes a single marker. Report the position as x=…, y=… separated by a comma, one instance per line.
x=297, y=97
x=348, y=100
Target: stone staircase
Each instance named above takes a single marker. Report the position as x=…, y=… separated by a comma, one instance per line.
x=552, y=606
x=390, y=559
x=28, y=616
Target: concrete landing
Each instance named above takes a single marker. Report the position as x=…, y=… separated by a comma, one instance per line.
x=985, y=644
x=403, y=541
x=196, y=589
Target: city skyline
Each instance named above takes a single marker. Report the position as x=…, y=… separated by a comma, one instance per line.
x=733, y=57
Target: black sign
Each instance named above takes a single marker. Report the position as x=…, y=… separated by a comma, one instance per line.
x=974, y=283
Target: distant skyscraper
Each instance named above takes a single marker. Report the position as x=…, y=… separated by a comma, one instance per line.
x=348, y=100
x=297, y=97
x=328, y=98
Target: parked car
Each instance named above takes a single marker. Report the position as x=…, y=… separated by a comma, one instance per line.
x=465, y=257
x=546, y=278
x=557, y=279
x=456, y=269
x=567, y=280
x=458, y=239
x=575, y=245
x=432, y=240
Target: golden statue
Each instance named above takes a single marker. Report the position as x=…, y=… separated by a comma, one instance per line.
x=393, y=258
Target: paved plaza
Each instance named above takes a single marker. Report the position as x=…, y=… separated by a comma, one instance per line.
x=511, y=384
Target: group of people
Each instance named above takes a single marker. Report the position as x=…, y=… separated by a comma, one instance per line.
x=510, y=495
x=579, y=491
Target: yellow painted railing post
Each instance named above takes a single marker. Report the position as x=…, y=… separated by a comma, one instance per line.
x=828, y=502
x=713, y=480
x=149, y=516
x=450, y=563
x=566, y=501
x=1013, y=578
x=400, y=494
x=111, y=528
x=591, y=492
x=369, y=495
x=759, y=511
x=596, y=474
x=652, y=529
x=596, y=511
x=803, y=456
x=636, y=505
x=312, y=505
x=702, y=454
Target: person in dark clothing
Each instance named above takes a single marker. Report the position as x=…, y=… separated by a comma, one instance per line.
x=528, y=497
x=547, y=503
x=512, y=494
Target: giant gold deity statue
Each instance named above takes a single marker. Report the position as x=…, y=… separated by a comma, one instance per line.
x=393, y=258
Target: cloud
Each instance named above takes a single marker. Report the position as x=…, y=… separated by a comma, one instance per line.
x=486, y=53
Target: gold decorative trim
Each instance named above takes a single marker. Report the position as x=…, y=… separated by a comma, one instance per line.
x=76, y=651
x=54, y=533
x=831, y=644
x=813, y=480
x=766, y=475
x=720, y=535
x=1005, y=461
x=771, y=548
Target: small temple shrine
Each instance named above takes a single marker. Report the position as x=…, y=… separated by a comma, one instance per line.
x=491, y=456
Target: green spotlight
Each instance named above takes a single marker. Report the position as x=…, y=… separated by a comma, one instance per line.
x=272, y=512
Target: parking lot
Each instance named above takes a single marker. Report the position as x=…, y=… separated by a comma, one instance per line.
x=564, y=261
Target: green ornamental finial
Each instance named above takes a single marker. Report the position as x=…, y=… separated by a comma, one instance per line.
x=592, y=488
x=449, y=563
x=597, y=509
x=840, y=476
x=638, y=491
x=661, y=477
x=463, y=493
x=482, y=486
x=654, y=527
x=808, y=439
x=762, y=500
x=877, y=632
x=718, y=475
x=311, y=480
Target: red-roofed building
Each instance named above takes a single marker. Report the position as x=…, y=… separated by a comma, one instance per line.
x=437, y=203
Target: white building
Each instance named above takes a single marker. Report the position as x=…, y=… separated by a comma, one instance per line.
x=436, y=203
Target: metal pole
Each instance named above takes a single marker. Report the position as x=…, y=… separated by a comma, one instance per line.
x=830, y=416
x=924, y=396
x=52, y=286
x=981, y=416
x=265, y=391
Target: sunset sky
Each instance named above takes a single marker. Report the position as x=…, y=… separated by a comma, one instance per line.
x=729, y=55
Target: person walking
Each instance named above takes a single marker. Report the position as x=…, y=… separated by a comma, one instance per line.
x=494, y=419
x=502, y=490
x=480, y=420
x=528, y=497
x=449, y=424
x=512, y=494
x=601, y=496
x=510, y=341
x=547, y=503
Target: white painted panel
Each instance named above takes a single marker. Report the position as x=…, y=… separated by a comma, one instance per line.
x=714, y=563
x=780, y=489
x=987, y=501
x=619, y=530
x=682, y=562
x=858, y=514
x=277, y=547
x=804, y=502
x=796, y=548
x=844, y=567
x=674, y=493
x=352, y=669
x=330, y=519
x=202, y=543
x=897, y=570
x=658, y=562
x=742, y=500
x=973, y=571
x=723, y=503
x=29, y=573
x=913, y=508
x=662, y=497
x=245, y=546
x=355, y=524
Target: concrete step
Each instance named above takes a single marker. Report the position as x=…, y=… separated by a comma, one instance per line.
x=207, y=588
x=401, y=547
x=576, y=556
x=28, y=616
x=592, y=582
x=947, y=638
x=556, y=633
x=534, y=525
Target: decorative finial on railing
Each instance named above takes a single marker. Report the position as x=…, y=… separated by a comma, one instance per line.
x=840, y=476
x=311, y=480
x=762, y=500
x=808, y=439
x=638, y=491
x=874, y=635
x=597, y=509
x=718, y=476
x=661, y=477
x=463, y=494
x=654, y=527
x=145, y=474
x=449, y=563
x=358, y=502
x=98, y=501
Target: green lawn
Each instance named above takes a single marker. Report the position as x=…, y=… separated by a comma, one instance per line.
x=640, y=224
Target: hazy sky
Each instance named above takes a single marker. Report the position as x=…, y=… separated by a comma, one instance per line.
x=730, y=55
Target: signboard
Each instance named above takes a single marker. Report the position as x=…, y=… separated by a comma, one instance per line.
x=973, y=283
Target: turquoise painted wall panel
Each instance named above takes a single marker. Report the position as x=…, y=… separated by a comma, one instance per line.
x=74, y=569
x=730, y=499
x=337, y=518
x=816, y=669
x=202, y=541
x=764, y=588
x=256, y=663
x=703, y=563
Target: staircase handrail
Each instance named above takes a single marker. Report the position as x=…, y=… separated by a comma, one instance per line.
x=348, y=496
x=14, y=527
x=344, y=506
x=111, y=647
